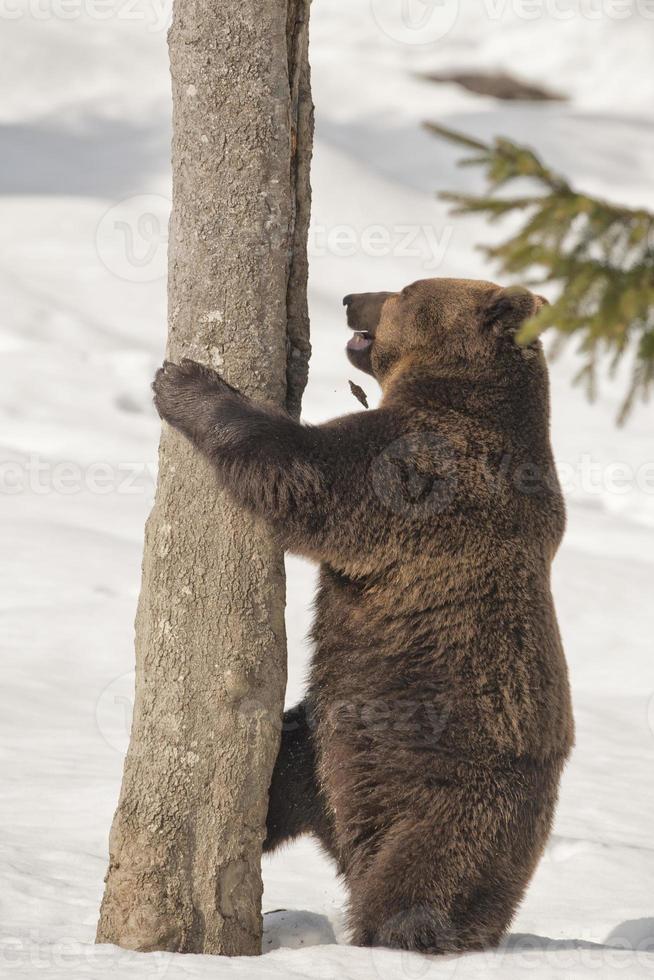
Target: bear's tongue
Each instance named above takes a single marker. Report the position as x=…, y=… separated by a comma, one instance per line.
x=360, y=341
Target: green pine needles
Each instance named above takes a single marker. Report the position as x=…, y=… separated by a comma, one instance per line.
x=600, y=254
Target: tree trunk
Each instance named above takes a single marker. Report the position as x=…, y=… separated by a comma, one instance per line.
x=185, y=845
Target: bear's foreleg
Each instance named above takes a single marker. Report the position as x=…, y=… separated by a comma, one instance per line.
x=267, y=461
x=314, y=485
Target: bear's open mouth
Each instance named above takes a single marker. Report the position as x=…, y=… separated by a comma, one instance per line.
x=360, y=341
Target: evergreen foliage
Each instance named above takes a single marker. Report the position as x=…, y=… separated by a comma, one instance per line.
x=600, y=254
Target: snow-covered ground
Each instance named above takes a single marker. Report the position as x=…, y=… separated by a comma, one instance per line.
x=85, y=186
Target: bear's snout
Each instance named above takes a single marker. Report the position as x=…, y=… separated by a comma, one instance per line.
x=364, y=310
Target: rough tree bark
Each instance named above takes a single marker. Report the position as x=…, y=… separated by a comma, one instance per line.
x=185, y=845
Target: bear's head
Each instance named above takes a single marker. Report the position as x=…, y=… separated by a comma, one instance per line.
x=463, y=328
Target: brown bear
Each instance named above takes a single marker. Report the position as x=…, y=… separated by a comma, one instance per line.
x=427, y=753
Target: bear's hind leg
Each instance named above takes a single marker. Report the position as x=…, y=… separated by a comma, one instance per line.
x=423, y=893
x=295, y=803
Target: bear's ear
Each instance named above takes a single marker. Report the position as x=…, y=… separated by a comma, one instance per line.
x=508, y=309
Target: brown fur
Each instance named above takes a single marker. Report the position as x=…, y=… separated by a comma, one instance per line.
x=427, y=754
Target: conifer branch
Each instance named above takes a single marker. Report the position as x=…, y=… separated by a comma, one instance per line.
x=600, y=254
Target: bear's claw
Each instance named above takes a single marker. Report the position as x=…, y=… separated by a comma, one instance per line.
x=181, y=391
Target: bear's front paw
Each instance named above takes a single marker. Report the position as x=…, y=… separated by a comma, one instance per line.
x=187, y=395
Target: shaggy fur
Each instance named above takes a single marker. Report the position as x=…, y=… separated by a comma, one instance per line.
x=427, y=753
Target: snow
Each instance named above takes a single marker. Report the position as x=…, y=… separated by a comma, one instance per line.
x=85, y=123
